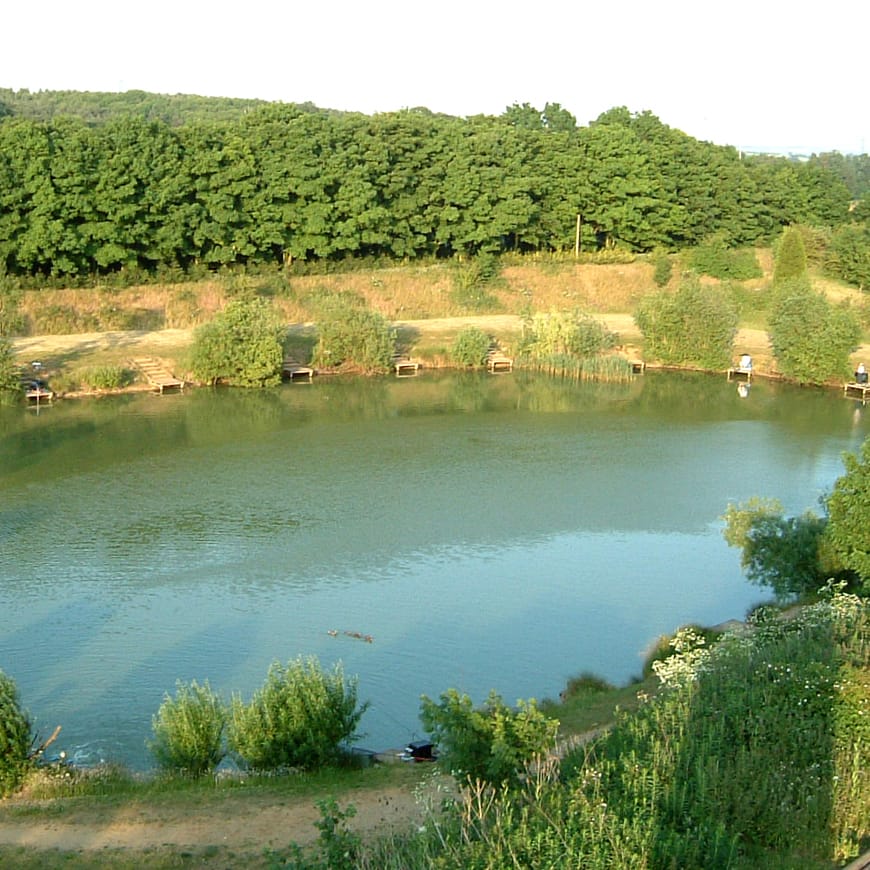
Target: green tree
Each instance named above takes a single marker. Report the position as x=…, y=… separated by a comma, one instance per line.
x=811, y=339
x=848, y=531
x=299, y=718
x=15, y=737
x=10, y=382
x=791, y=256
x=494, y=743
x=848, y=255
x=188, y=730
x=241, y=346
x=694, y=326
x=784, y=553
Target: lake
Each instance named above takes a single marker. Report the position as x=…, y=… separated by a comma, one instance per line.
x=486, y=531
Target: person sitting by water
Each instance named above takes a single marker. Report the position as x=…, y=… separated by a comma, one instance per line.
x=746, y=363
x=861, y=374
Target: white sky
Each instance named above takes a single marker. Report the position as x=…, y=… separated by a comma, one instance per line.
x=761, y=75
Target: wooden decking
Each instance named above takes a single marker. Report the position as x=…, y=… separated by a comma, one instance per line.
x=405, y=367
x=853, y=388
x=498, y=362
x=157, y=374
x=739, y=373
x=291, y=370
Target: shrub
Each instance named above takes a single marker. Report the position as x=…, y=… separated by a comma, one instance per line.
x=716, y=259
x=10, y=383
x=694, y=326
x=564, y=333
x=471, y=281
x=470, y=347
x=351, y=334
x=791, y=256
x=188, y=730
x=811, y=339
x=494, y=743
x=848, y=255
x=662, y=268
x=15, y=737
x=241, y=346
x=298, y=718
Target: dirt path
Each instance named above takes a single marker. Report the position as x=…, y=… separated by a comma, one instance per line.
x=243, y=823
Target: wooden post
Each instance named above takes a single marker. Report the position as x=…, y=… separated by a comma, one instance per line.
x=577, y=238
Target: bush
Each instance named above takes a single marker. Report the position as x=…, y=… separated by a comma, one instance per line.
x=493, y=743
x=351, y=334
x=471, y=281
x=10, y=382
x=849, y=255
x=791, y=256
x=188, y=730
x=811, y=339
x=694, y=326
x=298, y=718
x=470, y=347
x=241, y=346
x=716, y=259
x=566, y=334
x=15, y=737
x=662, y=268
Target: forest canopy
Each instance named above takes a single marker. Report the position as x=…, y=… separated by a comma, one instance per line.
x=92, y=184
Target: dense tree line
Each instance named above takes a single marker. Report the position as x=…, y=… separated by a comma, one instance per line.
x=283, y=182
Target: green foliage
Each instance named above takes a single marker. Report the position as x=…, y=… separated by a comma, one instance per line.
x=470, y=347
x=472, y=279
x=811, y=339
x=784, y=553
x=298, y=719
x=848, y=532
x=791, y=257
x=662, y=268
x=694, y=326
x=716, y=259
x=337, y=848
x=493, y=743
x=188, y=730
x=848, y=255
x=565, y=333
x=10, y=382
x=241, y=346
x=15, y=737
x=106, y=377
x=352, y=335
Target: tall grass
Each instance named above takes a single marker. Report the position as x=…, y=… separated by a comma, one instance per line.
x=754, y=754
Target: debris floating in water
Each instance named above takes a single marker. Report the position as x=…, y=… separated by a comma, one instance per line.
x=355, y=634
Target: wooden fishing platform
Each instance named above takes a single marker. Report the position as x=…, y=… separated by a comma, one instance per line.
x=295, y=371
x=156, y=373
x=36, y=392
x=853, y=388
x=739, y=373
x=405, y=367
x=638, y=366
x=498, y=362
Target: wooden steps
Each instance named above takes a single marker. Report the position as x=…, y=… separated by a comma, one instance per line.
x=156, y=373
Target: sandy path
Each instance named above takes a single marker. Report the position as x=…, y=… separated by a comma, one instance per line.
x=240, y=822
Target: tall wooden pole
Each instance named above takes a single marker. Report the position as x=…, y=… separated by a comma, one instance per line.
x=577, y=238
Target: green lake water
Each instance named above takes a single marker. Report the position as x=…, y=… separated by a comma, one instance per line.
x=498, y=532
